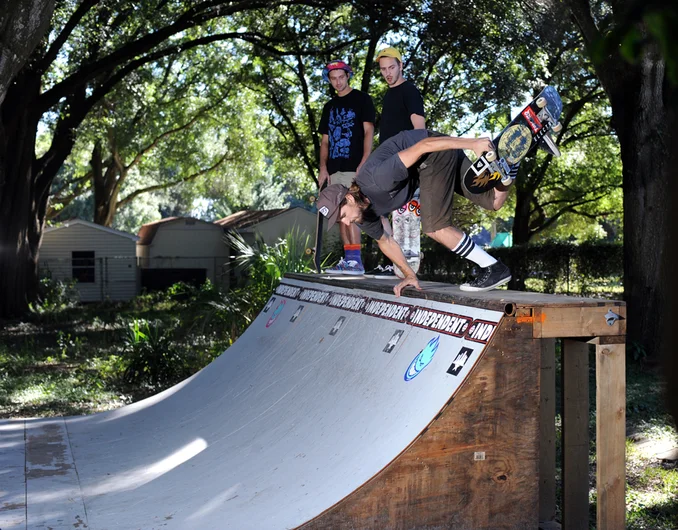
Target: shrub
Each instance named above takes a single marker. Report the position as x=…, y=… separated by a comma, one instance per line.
x=152, y=357
x=55, y=296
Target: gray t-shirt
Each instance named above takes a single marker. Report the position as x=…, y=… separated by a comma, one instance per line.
x=386, y=181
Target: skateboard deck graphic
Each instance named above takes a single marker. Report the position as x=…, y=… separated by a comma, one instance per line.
x=318, y=244
x=529, y=129
x=407, y=232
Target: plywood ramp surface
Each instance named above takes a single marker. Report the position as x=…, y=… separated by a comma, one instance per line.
x=340, y=407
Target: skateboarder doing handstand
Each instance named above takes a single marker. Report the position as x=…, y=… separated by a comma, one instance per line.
x=434, y=163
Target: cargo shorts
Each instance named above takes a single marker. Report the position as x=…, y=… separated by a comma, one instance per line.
x=440, y=176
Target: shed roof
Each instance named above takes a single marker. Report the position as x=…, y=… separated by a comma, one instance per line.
x=245, y=218
x=72, y=222
x=147, y=232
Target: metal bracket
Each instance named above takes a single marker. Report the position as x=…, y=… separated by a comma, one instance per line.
x=611, y=317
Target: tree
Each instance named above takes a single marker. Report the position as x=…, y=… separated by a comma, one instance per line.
x=165, y=123
x=91, y=46
x=645, y=117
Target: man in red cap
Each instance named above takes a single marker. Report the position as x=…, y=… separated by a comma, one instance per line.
x=347, y=128
x=436, y=164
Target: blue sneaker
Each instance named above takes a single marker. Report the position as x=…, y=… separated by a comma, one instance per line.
x=353, y=267
x=339, y=268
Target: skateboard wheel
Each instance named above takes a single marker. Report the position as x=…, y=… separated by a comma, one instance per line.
x=541, y=102
x=311, y=198
x=490, y=156
x=309, y=251
x=557, y=127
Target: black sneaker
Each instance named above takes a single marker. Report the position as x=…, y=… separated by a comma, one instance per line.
x=490, y=277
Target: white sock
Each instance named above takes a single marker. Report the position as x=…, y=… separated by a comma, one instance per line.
x=469, y=250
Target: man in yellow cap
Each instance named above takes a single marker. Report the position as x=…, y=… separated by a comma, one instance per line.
x=402, y=110
x=403, y=106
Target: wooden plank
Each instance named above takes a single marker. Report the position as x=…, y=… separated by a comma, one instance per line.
x=547, y=432
x=496, y=299
x=614, y=339
x=611, y=435
x=477, y=464
x=560, y=322
x=575, y=374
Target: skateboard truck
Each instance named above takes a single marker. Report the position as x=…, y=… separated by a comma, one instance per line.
x=611, y=317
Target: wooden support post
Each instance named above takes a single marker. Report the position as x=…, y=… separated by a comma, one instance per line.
x=610, y=434
x=575, y=373
x=547, y=432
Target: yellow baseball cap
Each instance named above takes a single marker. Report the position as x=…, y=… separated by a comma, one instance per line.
x=389, y=52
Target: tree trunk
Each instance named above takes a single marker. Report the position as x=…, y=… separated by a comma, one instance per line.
x=23, y=199
x=644, y=116
x=106, y=182
x=23, y=23
x=521, y=232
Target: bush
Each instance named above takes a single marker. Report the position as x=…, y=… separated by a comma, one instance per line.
x=587, y=269
x=55, y=296
x=152, y=357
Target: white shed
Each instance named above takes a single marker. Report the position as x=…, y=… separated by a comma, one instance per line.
x=102, y=260
x=181, y=249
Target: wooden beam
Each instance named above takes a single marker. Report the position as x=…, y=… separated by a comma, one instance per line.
x=575, y=373
x=547, y=433
x=611, y=435
x=557, y=322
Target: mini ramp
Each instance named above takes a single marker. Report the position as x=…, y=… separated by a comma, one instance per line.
x=340, y=407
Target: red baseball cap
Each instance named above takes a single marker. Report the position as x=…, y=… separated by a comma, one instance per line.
x=336, y=65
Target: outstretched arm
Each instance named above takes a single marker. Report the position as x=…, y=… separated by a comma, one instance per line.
x=392, y=251
x=442, y=143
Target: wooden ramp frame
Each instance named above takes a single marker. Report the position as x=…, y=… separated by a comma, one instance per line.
x=488, y=460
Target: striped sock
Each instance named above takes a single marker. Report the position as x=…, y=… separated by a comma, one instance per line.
x=469, y=250
x=352, y=252
x=514, y=171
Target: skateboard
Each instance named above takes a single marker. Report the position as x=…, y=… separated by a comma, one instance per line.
x=319, y=223
x=529, y=129
x=407, y=232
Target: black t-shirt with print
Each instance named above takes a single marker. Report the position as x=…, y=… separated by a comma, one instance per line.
x=342, y=121
x=399, y=104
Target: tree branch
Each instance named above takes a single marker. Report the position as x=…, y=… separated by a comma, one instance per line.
x=166, y=185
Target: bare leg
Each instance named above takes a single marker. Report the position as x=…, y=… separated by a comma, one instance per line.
x=350, y=235
x=448, y=236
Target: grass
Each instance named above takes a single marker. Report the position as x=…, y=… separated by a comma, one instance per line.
x=76, y=361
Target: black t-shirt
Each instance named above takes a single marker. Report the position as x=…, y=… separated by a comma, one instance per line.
x=386, y=181
x=342, y=121
x=399, y=104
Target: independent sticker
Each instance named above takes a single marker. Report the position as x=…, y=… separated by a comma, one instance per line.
x=325, y=211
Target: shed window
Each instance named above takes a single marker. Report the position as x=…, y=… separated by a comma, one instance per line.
x=83, y=266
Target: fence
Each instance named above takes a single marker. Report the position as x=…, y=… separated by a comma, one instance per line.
x=118, y=278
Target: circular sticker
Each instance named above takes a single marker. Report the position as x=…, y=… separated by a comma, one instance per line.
x=514, y=143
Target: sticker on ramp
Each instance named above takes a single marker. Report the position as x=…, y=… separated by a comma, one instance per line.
x=269, y=304
x=460, y=361
x=337, y=326
x=422, y=360
x=297, y=313
x=276, y=313
x=393, y=341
